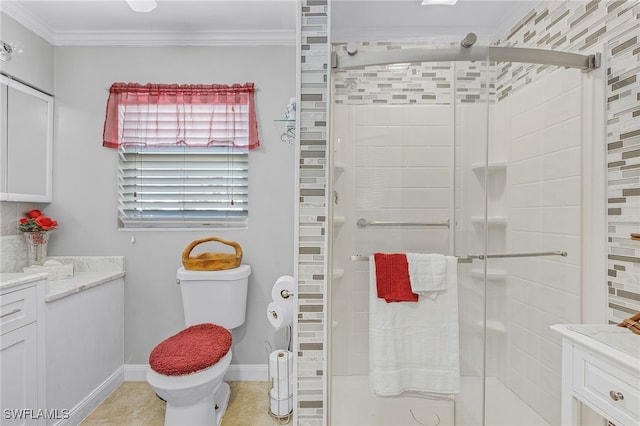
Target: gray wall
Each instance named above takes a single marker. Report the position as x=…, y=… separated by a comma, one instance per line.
x=34, y=64
x=85, y=197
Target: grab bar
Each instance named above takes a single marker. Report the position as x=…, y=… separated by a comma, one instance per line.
x=469, y=258
x=364, y=223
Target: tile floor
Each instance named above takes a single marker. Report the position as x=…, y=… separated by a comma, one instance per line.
x=134, y=403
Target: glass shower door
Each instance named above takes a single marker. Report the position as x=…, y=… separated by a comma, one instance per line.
x=534, y=182
x=393, y=193
x=405, y=180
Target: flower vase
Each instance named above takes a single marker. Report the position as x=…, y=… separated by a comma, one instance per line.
x=36, y=247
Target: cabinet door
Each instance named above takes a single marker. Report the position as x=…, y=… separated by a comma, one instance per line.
x=18, y=365
x=3, y=137
x=27, y=143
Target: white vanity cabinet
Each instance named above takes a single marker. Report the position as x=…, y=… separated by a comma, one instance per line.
x=601, y=369
x=22, y=390
x=26, y=142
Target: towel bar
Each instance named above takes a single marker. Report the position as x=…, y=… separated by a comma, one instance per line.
x=507, y=255
x=469, y=258
x=364, y=223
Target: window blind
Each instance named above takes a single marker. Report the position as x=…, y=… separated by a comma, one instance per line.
x=183, y=153
x=179, y=166
x=182, y=187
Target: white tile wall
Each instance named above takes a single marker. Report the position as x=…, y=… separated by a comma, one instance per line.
x=399, y=167
x=544, y=189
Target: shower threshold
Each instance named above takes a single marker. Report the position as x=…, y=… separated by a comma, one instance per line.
x=353, y=405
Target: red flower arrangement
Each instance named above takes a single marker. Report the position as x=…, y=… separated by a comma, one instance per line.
x=36, y=221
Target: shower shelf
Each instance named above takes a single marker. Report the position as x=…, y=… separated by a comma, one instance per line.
x=493, y=325
x=493, y=165
x=338, y=273
x=493, y=220
x=338, y=220
x=492, y=274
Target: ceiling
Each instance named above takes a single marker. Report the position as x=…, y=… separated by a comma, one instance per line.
x=256, y=22
x=360, y=20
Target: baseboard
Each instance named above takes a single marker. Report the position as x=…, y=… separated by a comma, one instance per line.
x=247, y=373
x=135, y=372
x=236, y=373
x=95, y=398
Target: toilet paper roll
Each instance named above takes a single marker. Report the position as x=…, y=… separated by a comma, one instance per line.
x=282, y=389
x=285, y=282
x=280, y=365
x=274, y=394
x=281, y=407
x=280, y=314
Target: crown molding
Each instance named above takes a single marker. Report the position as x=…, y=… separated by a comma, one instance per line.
x=148, y=38
x=27, y=20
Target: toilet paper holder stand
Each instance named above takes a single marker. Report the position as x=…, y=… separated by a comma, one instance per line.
x=287, y=402
x=286, y=293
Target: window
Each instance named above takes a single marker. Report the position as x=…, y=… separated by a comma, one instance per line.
x=183, y=154
x=182, y=187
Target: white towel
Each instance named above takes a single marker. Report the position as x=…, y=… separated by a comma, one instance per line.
x=414, y=346
x=427, y=273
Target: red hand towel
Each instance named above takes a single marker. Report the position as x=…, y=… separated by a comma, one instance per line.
x=392, y=278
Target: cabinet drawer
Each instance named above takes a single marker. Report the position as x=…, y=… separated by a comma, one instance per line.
x=612, y=390
x=17, y=308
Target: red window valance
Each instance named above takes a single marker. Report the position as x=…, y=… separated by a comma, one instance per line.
x=188, y=115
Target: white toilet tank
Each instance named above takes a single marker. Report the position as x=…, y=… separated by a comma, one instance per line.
x=218, y=297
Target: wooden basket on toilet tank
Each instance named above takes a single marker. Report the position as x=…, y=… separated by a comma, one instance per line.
x=211, y=261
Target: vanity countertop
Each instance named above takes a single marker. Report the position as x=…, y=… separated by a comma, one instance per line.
x=9, y=280
x=89, y=271
x=606, y=339
x=80, y=281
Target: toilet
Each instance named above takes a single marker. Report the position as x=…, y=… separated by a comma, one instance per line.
x=187, y=369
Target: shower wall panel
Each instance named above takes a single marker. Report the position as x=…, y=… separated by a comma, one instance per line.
x=398, y=167
x=544, y=192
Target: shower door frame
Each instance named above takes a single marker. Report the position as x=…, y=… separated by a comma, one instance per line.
x=474, y=53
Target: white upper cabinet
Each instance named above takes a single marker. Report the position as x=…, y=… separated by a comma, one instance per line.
x=26, y=143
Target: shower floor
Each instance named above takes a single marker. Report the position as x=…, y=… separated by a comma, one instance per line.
x=353, y=405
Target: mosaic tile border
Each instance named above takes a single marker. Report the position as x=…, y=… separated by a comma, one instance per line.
x=415, y=83
x=571, y=26
x=623, y=160
x=313, y=206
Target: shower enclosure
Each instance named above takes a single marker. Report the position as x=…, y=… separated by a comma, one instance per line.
x=437, y=148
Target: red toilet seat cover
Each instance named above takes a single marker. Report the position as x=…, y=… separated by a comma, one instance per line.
x=193, y=349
